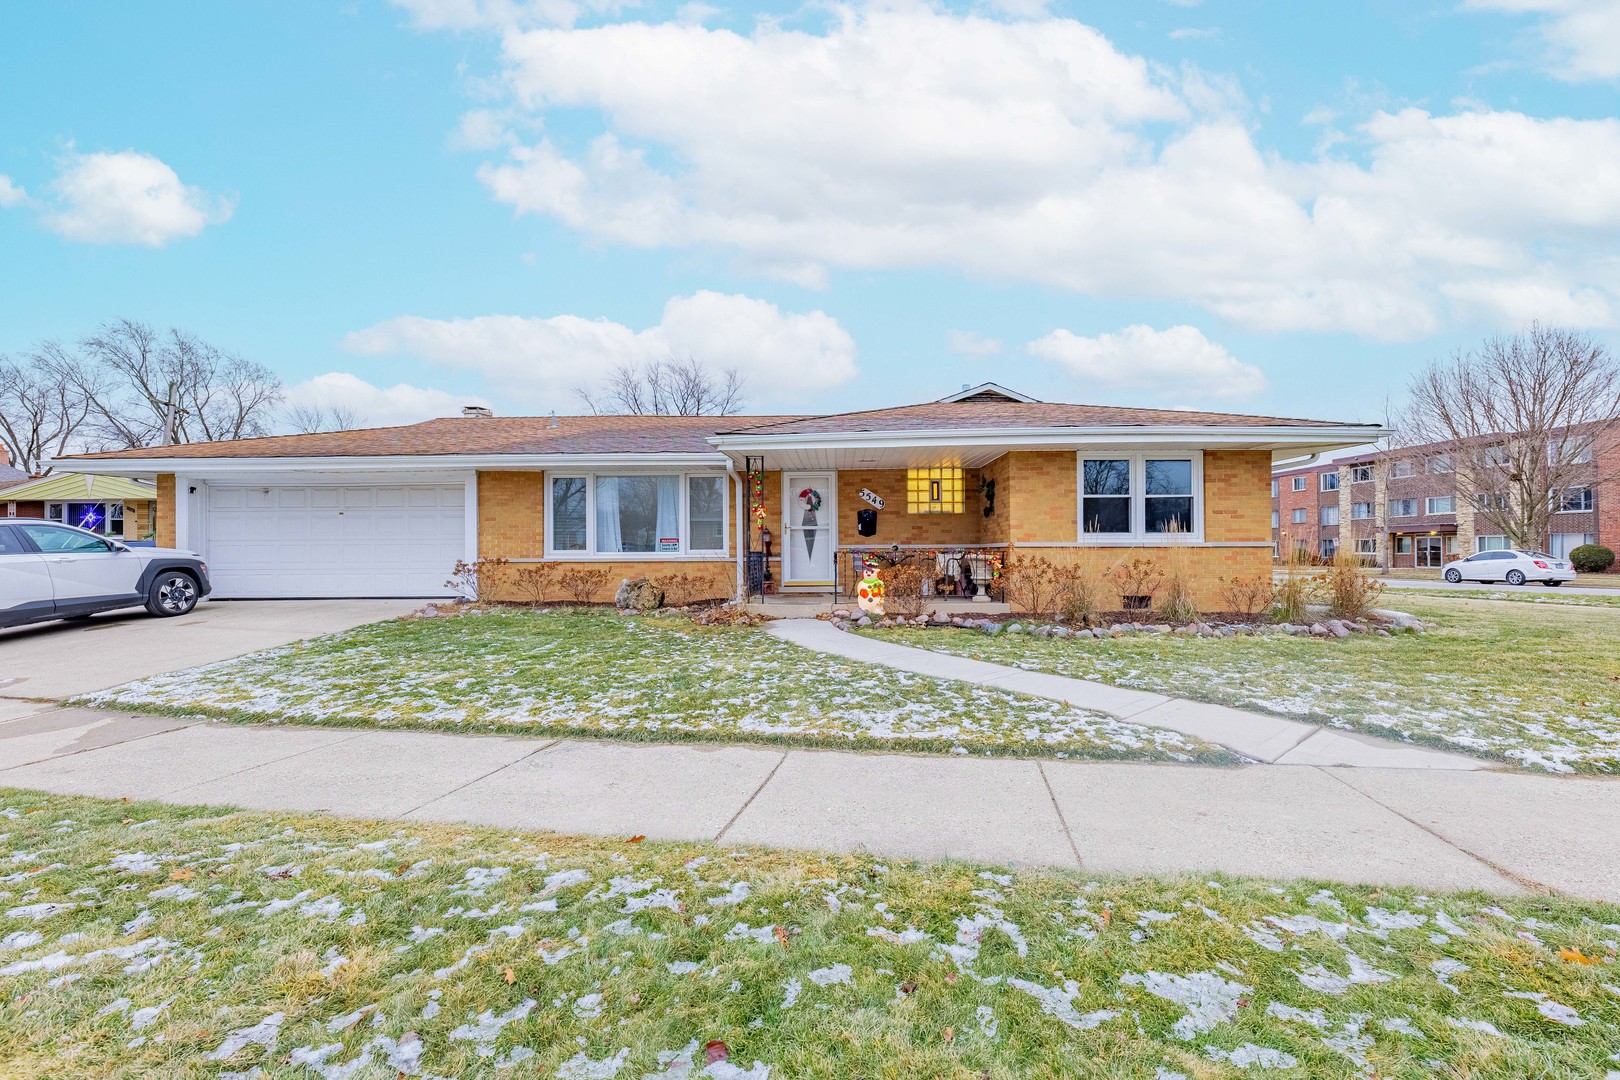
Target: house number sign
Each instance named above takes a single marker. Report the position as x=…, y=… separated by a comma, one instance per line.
x=871, y=498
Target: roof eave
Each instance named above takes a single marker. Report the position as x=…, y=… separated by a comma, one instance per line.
x=1177, y=434
x=380, y=462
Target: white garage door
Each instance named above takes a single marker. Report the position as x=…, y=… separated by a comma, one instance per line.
x=332, y=540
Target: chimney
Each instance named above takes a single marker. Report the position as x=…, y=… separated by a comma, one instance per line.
x=478, y=411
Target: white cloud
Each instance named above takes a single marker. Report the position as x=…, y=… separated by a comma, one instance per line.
x=378, y=406
x=537, y=362
x=1579, y=39
x=1178, y=364
x=127, y=197
x=1194, y=33
x=971, y=343
x=11, y=193
x=503, y=14
x=908, y=136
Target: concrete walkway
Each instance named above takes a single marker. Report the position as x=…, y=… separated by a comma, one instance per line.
x=1433, y=829
x=1257, y=736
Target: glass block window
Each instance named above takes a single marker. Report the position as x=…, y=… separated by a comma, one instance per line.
x=935, y=491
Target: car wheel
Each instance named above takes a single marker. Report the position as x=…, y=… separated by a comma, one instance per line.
x=174, y=592
x=1454, y=576
x=1554, y=583
x=1515, y=577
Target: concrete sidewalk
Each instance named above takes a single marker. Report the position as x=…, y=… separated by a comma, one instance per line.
x=1434, y=829
x=1258, y=736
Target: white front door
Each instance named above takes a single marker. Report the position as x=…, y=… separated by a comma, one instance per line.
x=810, y=500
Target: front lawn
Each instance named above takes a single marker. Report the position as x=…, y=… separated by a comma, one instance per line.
x=140, y=939
x=594, y=674
x=1535, y=685
x=1528, y=596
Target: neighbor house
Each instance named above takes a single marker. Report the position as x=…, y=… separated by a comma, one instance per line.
x=117, y=506
x=389, y=511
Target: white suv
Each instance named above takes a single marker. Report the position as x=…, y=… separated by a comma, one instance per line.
x=53, y=571
x=1513, y=567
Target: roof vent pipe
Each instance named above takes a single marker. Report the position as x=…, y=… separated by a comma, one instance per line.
x=553, y=417
x=482, y=412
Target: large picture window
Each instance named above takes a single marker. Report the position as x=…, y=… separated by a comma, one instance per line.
x=1141, y=496
x=651, y=515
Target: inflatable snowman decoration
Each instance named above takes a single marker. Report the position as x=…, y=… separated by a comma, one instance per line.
x=869, y=592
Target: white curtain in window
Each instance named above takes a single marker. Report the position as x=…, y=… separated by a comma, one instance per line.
x=608, y=536
x=669, y=508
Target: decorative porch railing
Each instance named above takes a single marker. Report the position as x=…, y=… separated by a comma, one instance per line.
x=966, y=572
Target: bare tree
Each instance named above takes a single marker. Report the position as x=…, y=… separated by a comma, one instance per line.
x=666, y=388
x=1527, y=419
x=126, y=372
x=39, y=413
x=313, y=419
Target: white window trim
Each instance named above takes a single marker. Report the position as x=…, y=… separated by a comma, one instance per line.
x=1428, y=504
x=1139, y=534
x=1372, y=511
x=685, y=554
x=1570, y=491
x=1333, y=476
x=1366, y=545
x=1389, y=508
x=1299, y=483
x=1355, y=479
x=1324, y=512
x=1300, y=516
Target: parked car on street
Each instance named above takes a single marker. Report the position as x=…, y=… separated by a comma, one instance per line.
x=1513, y=567
x=53, y=571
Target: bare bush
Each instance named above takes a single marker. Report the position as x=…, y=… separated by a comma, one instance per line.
x=1248, y=595
x=683, y=589
x=903, y=589
x=583, y=584
x=1138, y=580
x=1074, y=592
x=478, y=580
x=1293, y=593
x=535, y=582
x=1030, y=584
x=1351, y=591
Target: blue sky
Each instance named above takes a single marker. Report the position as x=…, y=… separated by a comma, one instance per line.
x=1280, y=208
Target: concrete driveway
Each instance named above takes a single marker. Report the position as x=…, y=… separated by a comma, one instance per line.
x=55, y=660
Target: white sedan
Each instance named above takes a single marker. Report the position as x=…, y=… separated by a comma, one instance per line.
x=1513, y=567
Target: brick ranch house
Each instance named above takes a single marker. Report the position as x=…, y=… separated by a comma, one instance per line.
x=389, y=511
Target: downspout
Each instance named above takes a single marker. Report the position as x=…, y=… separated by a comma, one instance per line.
x=742, y=532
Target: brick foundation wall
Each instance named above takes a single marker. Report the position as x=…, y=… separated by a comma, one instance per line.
x=1204, y=568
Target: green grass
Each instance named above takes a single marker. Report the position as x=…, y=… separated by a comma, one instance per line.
x=601, y=675
x=1534, y=685
x=138, y=938
x=1392, y=597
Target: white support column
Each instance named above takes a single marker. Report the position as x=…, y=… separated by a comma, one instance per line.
x=182, y=511
x=470, y=509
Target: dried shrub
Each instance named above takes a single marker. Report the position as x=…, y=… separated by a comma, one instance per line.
x=728, y=615
x=478, y=580
x=583, y=584
x=1075, y=592
x=1176, y=603
x=682, y=589
x=535, y=582
x=903, y=589
x=1030, y=584
x=1293, y=592
x=1351, y=591
x=1136, y=578
x=1249, y=595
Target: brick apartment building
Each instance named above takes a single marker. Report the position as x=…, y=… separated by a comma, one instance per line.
x=1402, y=509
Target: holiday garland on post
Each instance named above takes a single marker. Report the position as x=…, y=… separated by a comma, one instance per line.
x=756, y=497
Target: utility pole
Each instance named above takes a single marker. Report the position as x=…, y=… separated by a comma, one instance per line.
x=170, y=407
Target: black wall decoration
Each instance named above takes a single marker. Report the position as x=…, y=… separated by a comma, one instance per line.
x=987, y=488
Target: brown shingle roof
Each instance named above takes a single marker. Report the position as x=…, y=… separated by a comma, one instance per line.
x=981, y=415
x=474, y=435
x=679, y=434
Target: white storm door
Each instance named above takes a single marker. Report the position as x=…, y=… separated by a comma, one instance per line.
x=811, y=511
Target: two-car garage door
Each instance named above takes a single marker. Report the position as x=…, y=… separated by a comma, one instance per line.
x=332, y=540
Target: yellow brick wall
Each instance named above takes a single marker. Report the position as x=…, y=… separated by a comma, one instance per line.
x=165, y=511
x=511, y=525
x=997, y=528
x=1237, y=495
x=895, y=524
x=511, y=515
x=1204, y=568
x=1039, y=496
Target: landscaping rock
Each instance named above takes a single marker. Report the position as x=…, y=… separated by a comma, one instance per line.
x=638, y=595
x=1337, y=628
x=864, y=620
